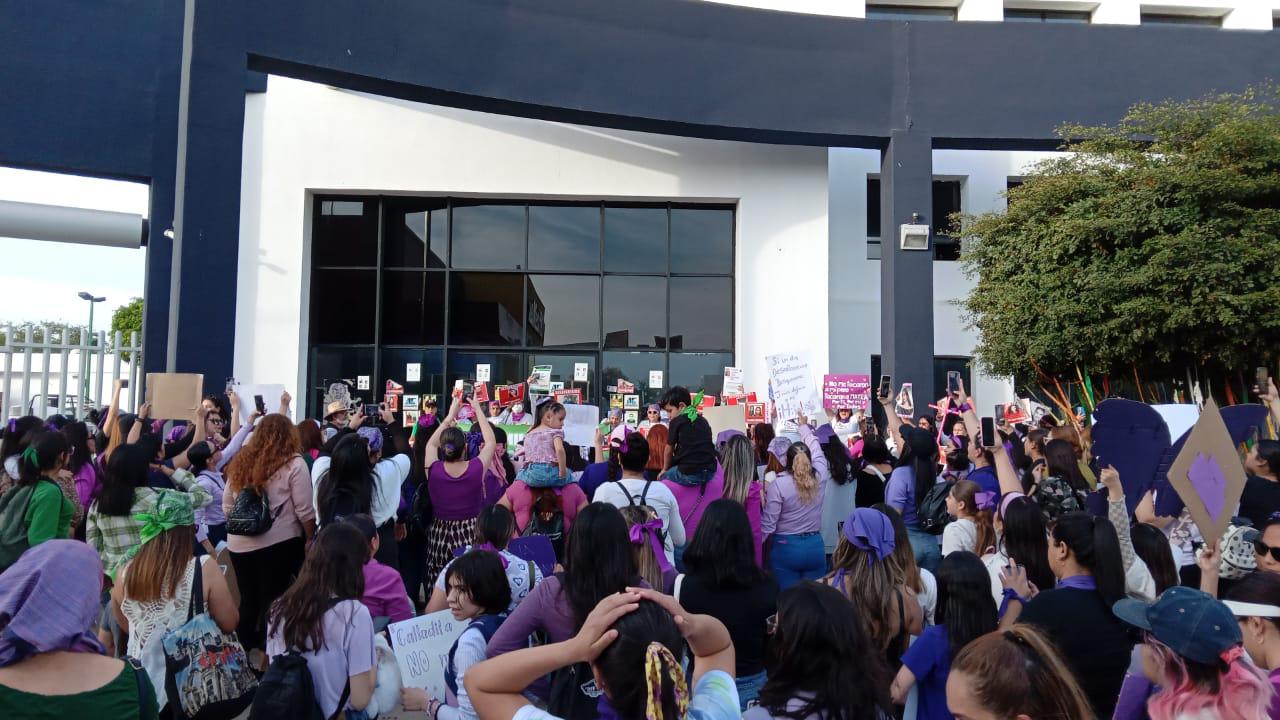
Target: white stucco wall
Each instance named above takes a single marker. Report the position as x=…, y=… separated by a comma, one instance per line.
x=302, y=138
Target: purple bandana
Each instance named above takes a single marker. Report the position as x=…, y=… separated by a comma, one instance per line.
x=1077, y=582
x=985, y=500
x=871, y=531
x=49, y=601
x=488, y=547
x=652, y=528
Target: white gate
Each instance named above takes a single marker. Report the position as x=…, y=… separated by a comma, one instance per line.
x=43, y=374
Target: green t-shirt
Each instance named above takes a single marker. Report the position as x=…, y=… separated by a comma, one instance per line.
x=48, y=514
x=117, y=700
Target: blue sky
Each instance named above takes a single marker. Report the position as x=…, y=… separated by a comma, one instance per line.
x=39, y=280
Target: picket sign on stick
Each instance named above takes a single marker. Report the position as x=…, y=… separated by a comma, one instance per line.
x=1207, y=473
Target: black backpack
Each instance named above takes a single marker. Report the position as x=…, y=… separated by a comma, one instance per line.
x=547, y=519
x=287, y=692
x=931, y=513
x=251, y=515
x=643, y=502
x=574, y=693
x=420, y=511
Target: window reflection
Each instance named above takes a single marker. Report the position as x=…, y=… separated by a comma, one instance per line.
x=701, y=240
x=635, y=311
x=488, y=236
x=486, y=309
x=701, y=313
x=416, y=233
x=413, y=308
x=635, y=239
x=343, y=304
x=700, y=371
x=344, y=233
x=564, y=237
x=563, y=310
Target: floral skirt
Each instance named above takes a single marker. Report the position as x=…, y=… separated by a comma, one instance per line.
x=443, y=537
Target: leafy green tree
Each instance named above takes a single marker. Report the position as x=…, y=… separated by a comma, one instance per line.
x=1152, y=247
x=127, y=319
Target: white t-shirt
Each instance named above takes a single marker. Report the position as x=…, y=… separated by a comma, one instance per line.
x=658, y=497
x=928, y=597
x=517, y=577
x=389, y=475
x=959, y=535
x=715, y=697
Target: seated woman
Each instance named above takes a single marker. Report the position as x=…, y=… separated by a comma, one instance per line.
x=51, y=664
x=495, y=527
x=633, y=643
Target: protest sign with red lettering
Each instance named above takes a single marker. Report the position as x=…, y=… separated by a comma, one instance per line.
x=844, y=391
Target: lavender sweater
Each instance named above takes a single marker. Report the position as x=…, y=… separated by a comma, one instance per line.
x=784, y=512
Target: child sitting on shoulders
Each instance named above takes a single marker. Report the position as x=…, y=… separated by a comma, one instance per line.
x=546, y=465
x=691, y=453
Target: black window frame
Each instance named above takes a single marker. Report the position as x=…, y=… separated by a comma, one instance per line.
x=1177, y=20
x=911, y=13
x=596, y=393
x=1065, y=17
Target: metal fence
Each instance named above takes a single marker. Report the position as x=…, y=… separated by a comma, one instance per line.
x=42, y=377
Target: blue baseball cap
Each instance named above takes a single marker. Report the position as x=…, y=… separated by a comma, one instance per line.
x=1192, y=623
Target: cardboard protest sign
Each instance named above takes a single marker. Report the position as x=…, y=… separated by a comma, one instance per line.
x=1208, y=475
x=580, y=422
x=755, y=413
x=175, y=396
x=615, y=402
x=540, y=379
x=481, y=392
x=412, y=403
x=732, y=381
x=844, y=391
x=392, y=402
x=631, y=402
x=1131, y=437
x=631, y=417
x=708, y=401
x=394, y=388
x=410, y=418
x=421, y=646
x=270, y=398
x=726, y=417
x=794, y=392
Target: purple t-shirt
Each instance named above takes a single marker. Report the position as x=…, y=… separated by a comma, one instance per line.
x=929, y=660
x=693, y=500
x=348, y=650
x=1274, y=711
x=456, y=498
x=785, y=513
x=900, y=493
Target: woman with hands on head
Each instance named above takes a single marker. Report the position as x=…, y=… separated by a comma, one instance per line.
x=633, y=643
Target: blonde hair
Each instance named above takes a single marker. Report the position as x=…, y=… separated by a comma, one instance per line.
x=872, y=587
x=154, y=573
x=805, y=478
x=646, y=562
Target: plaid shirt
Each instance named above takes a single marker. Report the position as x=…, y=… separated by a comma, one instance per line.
x=117, y=537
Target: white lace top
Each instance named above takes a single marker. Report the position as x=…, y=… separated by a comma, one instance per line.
x=146, y=618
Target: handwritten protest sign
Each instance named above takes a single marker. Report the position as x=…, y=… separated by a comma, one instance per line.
x=851, y=392
x=421, y=646
x=794, y=392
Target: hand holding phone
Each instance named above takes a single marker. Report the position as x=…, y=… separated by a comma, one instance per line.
x=1261, y=380
x=260, y=404
x=989, y=436
x=953, y=383
x=886, y=386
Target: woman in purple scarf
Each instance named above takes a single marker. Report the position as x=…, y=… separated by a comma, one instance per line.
x=51, y=665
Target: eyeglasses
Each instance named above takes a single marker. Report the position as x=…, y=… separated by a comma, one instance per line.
x=653, y=412
x=771, y=624
x=1262, y=548
x=217, y=421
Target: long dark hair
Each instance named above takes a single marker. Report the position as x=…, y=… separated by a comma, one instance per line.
x=838, y=460
x=722, y=551
x=920, y=453
x=1153, y=547
x=12, y=442
x=633, y=460
x=965, y=605
x=1025, y=540
x=453, y=444
x=199, y=455
x=598, y=559
x=1061, y=458
x=127, y=469
x=334, y=569
x=1094, y=544
x=761, y=435
x=822, y=656
x=48, y=446
x=623, y=663
x=77, y=435
x=349, y=470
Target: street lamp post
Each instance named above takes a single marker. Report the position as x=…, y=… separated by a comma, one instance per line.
x=84, y=362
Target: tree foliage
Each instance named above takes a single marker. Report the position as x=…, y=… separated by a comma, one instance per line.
x=127, y=319
x=1153, y=245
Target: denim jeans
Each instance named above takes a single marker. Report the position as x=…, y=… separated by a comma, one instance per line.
x=749, y=689
x=689, y=479
x=793, y=558
x=926, y=548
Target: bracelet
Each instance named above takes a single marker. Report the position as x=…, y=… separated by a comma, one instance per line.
x=1009, y=595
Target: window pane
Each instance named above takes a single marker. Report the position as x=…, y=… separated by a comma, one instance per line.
x=343, y=305
x=488, y=236
x=486, y=308
x=946, y=202
x=900, y=12
x=701, y=240
x=562, y=371
x=413, y=308
x=344, y=233
x=942, y=365
x=633, y=367
x=334, y=365
x=564, y=237
x=635, y=312
x=395, y=366
x=701, y=313
x=873, y=207
x=504, y=368
x=700, y=371
x=564, y=310
x=413, y=226
x=635, y=239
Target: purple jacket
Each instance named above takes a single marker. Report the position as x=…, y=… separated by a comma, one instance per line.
x=784, y=512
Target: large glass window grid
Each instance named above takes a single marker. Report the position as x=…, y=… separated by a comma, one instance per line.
x=402, y=281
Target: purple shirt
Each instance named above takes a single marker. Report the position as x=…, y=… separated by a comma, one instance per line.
x=456, y=498
x=929, y=660
x=88, y=483
x=900, y=493
x=212, y=513
x=693, y=500
x=784, y=512
x=384, y=593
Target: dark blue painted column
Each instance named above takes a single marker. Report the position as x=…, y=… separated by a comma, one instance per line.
x=906, y=276
x=207, y=199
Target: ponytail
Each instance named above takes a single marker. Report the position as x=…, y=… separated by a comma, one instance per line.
x=1231, y=688
x=662, y=671
x=43, y=453
x=642, y=667
x=1094, y=544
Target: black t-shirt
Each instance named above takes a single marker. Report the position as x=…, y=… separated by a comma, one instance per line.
x=743, y=612
x=1260, y=498
x=1095, y=643
x=870, y=490
x=691, y=447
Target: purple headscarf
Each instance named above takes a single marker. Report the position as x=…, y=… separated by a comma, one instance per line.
x=49, y=601
x=373, y=436
x=871, y=531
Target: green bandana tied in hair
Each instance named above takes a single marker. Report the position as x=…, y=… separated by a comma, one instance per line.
x=31, y=456
x=692, y=410
x=173, y=509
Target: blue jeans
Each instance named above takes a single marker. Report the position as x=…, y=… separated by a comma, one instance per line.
x=689, y=479
x=749, y=689
x=793, y=558
x=926, y=548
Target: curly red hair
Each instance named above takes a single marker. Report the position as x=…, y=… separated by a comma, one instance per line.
x=657, y=438
x=273, y=444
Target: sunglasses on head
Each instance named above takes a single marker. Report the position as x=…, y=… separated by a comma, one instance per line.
x=1262, y=548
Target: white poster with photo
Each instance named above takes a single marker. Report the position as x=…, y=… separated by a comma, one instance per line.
x=655, y=379
x=794, y=391
x=421, y=646
x=270, y=398
x=580, y=423
x=732, y=381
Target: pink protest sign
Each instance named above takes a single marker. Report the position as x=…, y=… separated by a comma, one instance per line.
x=846, y=391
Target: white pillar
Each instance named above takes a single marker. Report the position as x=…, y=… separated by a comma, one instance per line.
x=981, y=10
x=1118, y=12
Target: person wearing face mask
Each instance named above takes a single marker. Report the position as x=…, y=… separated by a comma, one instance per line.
x=516, y=415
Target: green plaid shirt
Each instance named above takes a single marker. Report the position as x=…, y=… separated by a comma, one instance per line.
x=117, y=537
